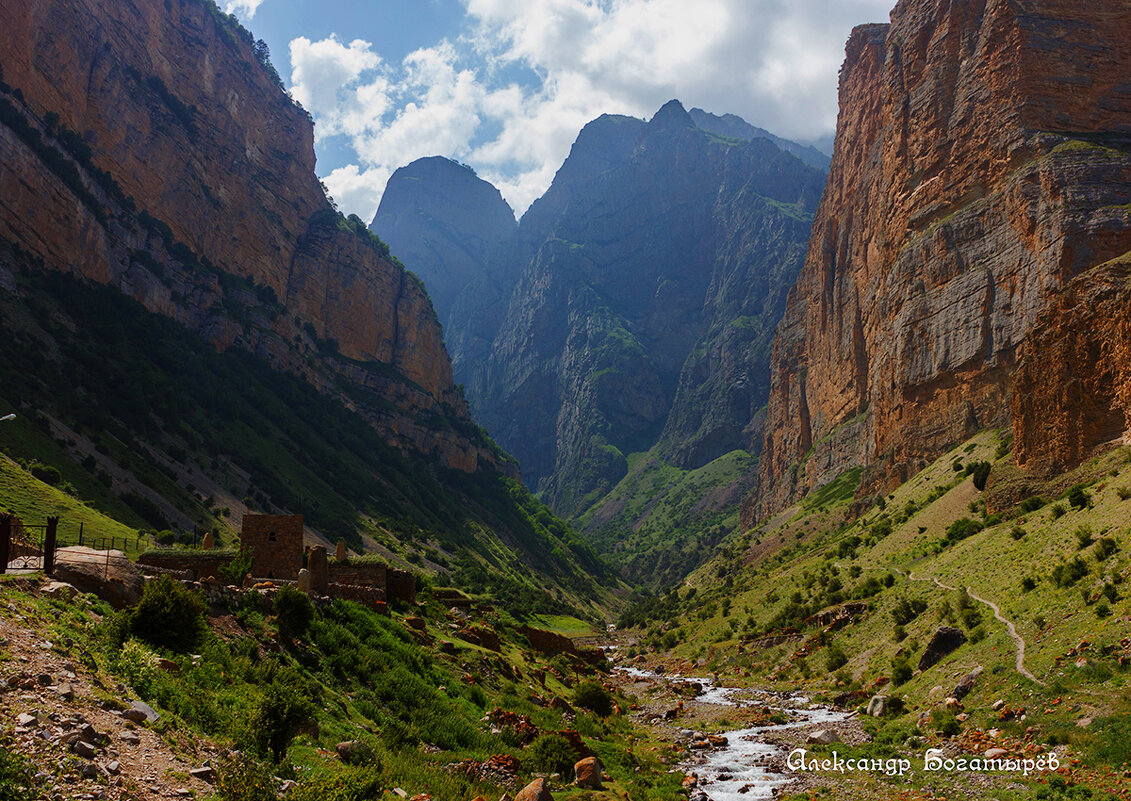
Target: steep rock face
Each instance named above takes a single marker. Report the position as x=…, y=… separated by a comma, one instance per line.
x=446, y=224
x=1072, y=389
x=146, y=146
x=660, y=257
x=976, y=169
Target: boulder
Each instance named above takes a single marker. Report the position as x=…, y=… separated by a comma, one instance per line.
x=107, y=574
x=876, y=706
x=945, y=640
x=537, y=790
x=587, y=773
x=58, y=589
x=822, y=737
x=966, y=683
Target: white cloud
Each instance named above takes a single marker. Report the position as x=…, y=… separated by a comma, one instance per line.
x=356, y=191
x=773, y=62
x=244, y=9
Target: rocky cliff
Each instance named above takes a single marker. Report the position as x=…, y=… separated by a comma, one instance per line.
x=654, y=271
x=981, y=162
x=150, y=146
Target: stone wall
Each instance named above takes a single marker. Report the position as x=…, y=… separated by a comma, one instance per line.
x=189, y=564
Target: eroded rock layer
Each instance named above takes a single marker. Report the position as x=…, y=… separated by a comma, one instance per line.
x=150, y=146
x=981, y=162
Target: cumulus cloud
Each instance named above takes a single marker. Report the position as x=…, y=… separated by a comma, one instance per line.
x=773, y=62
x=245, y=9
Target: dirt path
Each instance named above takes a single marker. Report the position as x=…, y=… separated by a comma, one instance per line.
x=1019, y=662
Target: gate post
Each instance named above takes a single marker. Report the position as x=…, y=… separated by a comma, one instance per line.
x=49, y=546
x=5, y=541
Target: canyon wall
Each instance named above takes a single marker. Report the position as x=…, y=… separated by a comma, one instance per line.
x=981, y=162
x=151, y=146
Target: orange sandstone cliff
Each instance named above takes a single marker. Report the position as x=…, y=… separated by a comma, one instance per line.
x=145, y=145
x=982, y=160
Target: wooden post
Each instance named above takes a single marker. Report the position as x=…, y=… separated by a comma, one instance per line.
x=49, y=546
x=5, y=541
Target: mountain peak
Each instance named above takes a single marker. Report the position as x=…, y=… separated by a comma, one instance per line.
x=672, y=115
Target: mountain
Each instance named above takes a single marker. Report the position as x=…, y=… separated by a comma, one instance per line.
x=447, y=223
x=982, y=156
x=734, y=127
x=622, y=332
x=153, y=152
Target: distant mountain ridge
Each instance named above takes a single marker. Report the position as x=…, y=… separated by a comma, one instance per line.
x=633, y=308
x=735, y=127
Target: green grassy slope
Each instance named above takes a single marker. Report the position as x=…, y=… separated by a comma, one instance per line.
x=129, y=406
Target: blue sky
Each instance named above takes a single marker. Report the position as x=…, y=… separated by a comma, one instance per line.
x=505, y=85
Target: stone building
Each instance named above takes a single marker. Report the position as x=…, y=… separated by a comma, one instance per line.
x=276, y=544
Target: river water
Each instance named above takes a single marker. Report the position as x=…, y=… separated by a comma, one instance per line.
x=738, y=772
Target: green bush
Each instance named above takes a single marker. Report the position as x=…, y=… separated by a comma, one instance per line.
x=962, y=528
x=592, y=696
x=234, y=571
x=15, y=777
x=835, y=658
x=1105, y=547
x=900, y=671
x=350, y=784
x=1078, y=497
x=1068, y=573
x=552, y=753
x=1083, y=537
x=282, y=711
x=1017, y=533
x=46, y=473
x=1028, y=583
x=945, y=722
x=169, y=616
x=981, y=473
x=1031, y=504
x=295, y=611
x=1058, y=511
x=242, y=778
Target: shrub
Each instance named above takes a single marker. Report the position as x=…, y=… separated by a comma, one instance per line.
x=1017, y=533
x=15, y=777
x=1058, y=510
x=905, y=611
x=552, y=753
x=981, y=473
x=899, y=633
x=242, y=778
x=1123, y=492
x=835, y=658
x=1068, y=573
x=169, y=616
x=46, y=473
x=234, y=571
x=1028, y=583
x=1106, y=547
x=900, y=670
x=281, y=712
x=592, y=696
x=1083, y=537
x=1102, y=609
x=1031, y=504
x=351, y=784
x=945, y=722
x=1078, y=497
x=962, y=528
x=295, y=611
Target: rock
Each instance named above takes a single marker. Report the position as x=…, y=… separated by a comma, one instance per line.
x=65, y=691
x=822, y=737
x=997, y=705
x=537, y=790
x=417, y=623
x=45, y=679
x=966, y=683
x=421, y=797
x=348, y=750
x=208, y=543
x=953, y=704
x=140, y=706
x=876, y=706
x=169, y=666
x=135, y=715
x=304, y=581
x=996, y=753
x=58, y=589
x=114, y=579
x=861, y=307
x=340, y=552
x=286, y=786
x=561, y=705
x=205, y=774
x=26, y=719
x=587, y=773
x=945, y=640
x=112, y=768
x=84, y=749
x=397, y=791
x=129, y=737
